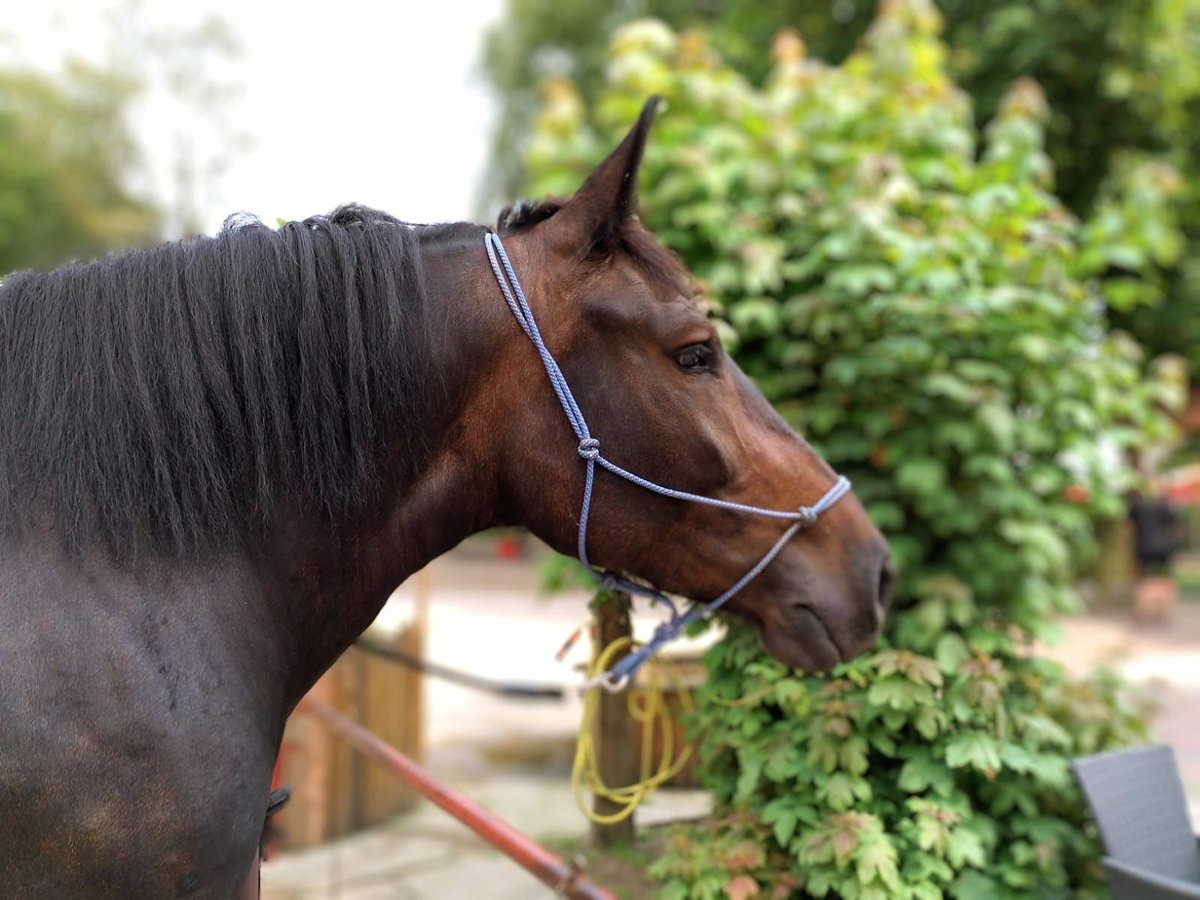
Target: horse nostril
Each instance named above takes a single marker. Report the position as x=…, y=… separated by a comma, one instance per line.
x=887, y=578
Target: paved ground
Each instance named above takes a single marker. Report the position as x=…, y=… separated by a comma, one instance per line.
x=514, y=757
x=1164, y=661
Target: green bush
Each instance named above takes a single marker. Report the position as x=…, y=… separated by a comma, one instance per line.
x=907, y=775
x=918, y=302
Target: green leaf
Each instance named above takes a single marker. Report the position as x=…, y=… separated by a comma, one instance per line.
x=972, y=885
x=920, y=476
x=899, y=693
x=840, y=791
x=975, y=749
x=819, y=882
x=791, y=691
x=965, y=848
x=951, y=652
x=852, y=755
x=932, y=835
x=784, y=762
x=754, y=317
x=921, y=773
x=752, y=766
x=886, y=516
x=1042, y=731
x=930, y=722
x=998, y=421
x=949, y=387
x=859, y=280
x=877, y=861
x=883, y=742
x=1017, y=758
x=784, y=827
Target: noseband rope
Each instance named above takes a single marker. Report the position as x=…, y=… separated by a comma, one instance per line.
x=589, y=450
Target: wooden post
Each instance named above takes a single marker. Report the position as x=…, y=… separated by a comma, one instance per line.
x=616, y=755
x=1114, y=573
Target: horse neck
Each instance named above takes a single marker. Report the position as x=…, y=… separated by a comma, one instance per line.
x=326, y=580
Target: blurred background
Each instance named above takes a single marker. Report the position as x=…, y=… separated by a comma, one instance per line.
x=957, y=243
x=141, y=121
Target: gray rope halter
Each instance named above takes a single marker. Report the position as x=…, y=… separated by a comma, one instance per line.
x=589, y=450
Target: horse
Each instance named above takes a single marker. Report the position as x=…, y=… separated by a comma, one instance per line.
x=219, y=457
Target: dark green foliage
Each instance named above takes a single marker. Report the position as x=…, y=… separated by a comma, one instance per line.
x=940, y=773
x=1098, y=62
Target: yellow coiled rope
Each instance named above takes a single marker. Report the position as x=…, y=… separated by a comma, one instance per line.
x=648, y=708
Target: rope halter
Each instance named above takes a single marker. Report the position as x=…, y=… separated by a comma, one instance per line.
x=618, y=676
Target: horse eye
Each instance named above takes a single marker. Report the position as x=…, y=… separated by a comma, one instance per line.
x=696, y=358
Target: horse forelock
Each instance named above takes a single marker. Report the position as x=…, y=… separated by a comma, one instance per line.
x=173, y=396
x=632, y=239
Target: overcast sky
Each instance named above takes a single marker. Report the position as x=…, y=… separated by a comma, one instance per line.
x=378, y=103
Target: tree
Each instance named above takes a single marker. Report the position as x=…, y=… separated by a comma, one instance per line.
x=1121, y=77
x=1123, y=80
x=69, y=161
x=65, y=153
x=538, y=40
x=910, y=293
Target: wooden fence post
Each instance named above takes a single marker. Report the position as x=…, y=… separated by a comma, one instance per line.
x=616, y=756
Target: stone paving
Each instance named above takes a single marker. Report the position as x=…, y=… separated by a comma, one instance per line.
x=513, y=757
x=1164, y=662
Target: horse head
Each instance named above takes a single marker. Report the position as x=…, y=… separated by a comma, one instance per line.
x=662, y=398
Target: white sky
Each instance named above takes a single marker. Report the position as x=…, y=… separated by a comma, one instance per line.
x=375, y=102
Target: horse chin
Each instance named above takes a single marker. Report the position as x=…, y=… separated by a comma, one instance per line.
x=805, y=643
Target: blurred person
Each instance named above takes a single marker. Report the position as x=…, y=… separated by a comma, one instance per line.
x=1155, y=540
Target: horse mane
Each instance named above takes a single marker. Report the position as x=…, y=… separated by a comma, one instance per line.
x=173, y=396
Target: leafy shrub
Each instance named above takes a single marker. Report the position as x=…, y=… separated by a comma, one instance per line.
x=917, y=302
x=912, y=775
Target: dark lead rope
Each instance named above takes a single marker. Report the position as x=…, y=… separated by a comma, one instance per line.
x=589, y=450
x=456, y=676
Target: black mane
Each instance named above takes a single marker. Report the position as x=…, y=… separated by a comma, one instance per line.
x=172, y=396
x=524, y=214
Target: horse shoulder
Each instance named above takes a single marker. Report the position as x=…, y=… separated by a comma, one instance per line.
x=135, y=747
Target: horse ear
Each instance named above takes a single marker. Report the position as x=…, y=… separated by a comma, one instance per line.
x=594, y=215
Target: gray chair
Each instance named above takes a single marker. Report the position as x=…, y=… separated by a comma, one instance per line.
x=1138, y=802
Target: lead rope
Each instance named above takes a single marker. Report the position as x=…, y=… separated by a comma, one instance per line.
x=649, y=707
x=617, y=677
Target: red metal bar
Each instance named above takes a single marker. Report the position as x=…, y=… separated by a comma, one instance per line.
x=544, y=865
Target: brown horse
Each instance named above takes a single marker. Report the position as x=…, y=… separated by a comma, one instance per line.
x=218, y=459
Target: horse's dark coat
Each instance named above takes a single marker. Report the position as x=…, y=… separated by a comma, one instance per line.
x=218, y=458
x=187, y=432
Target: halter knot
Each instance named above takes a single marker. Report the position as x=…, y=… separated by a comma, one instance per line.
x=589, y=448
x=808, y=516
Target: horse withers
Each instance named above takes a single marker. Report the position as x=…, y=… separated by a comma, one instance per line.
x=218, y=458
